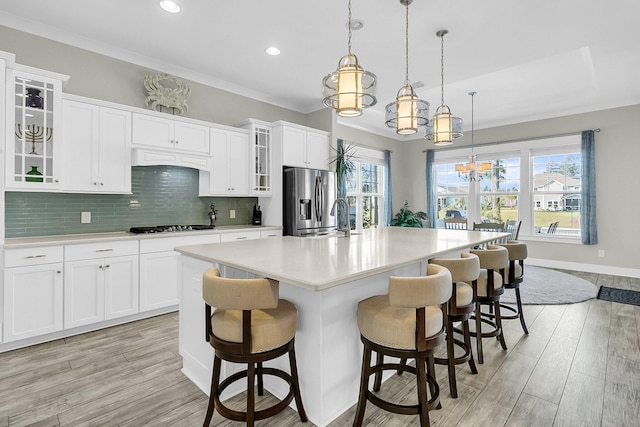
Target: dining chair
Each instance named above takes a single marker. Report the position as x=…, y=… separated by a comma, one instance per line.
x=552, y=228
x=455, y=223
x=513, y=227
x=489, y=226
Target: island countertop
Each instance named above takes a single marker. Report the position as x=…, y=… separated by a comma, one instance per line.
x=321, y=263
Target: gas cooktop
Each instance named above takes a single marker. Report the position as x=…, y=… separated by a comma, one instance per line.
x=169, y=228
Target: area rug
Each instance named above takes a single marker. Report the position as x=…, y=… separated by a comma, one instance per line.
x=623, y=296
x=546, y=286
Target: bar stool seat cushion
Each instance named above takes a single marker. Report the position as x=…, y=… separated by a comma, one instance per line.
x=518, y=271
x=270, y=328
x=464, y=294
x=393, y=326
x=482, y=282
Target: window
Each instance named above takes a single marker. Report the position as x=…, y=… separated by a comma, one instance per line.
x=452, y=193
x=535, y=181
x=365, y=194
x=499, y=190
x=556, y=177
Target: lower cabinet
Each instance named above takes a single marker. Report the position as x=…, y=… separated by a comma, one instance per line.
x=100, y=289
x=100, y=282
x=32, y=301
x=159, y=269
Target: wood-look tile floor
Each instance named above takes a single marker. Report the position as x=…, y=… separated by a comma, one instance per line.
x=580, y=365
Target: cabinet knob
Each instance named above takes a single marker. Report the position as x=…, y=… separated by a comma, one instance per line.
x=95, y=183
x=102, y=183
x=56, y=180
x=177, y=141
x=58, y=271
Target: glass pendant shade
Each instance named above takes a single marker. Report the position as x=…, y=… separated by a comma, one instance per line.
x=407, y=112
x=444, y=128
x=350, y=88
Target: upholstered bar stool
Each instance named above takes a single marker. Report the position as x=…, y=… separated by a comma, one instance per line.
x=514, y=275
x=493, y=262
x=250, y=325
x=459, y=309
x=408, y=323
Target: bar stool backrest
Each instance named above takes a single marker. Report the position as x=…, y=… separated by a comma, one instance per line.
x=415, y=292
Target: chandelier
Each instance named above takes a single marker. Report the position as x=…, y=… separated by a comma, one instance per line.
x=444, y=127
x=350, y=88
x=407, y=112
x=469, y=171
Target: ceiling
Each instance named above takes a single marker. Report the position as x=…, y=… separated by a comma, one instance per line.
x=526, y=60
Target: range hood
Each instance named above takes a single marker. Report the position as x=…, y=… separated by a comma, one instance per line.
x=151, y=157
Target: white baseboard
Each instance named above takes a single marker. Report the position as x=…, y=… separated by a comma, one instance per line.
x=590, y=268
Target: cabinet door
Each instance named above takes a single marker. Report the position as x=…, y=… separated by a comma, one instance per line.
x=120, y=286
x=158, y=280
x=80, y=141
x=219, y=174
x=191, y=138
x=83, y=292
x=318, y=151
x=33, y=131
x=238, y=163
x=152, y=131
x=114, y=151
x=32, y=301
x=294, y=143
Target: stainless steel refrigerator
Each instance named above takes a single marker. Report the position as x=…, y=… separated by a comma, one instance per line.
x=308, y=197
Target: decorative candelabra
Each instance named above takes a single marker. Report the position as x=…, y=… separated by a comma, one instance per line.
x=33, y=134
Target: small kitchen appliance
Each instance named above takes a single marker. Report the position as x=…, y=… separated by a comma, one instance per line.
x=257, y=216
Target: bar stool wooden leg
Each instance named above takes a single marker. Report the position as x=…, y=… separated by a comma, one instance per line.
x=378, y=378
x=498, y=319
x=453, y=389
x=215, y=379
x=260, y=382
x=251, y=375
x=421, y=378
x=364, y=383
x=296, y=385
x=433, y=384
x=519, y=303
x=479, y=333
x=467, y=342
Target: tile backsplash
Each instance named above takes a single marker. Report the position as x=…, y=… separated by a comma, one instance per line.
x=161, y=195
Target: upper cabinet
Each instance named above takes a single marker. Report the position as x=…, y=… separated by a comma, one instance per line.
x=304, y=147
x=33, y=129
x=168, y=134
x=261, y=164
x=101, y=138
x=229, y=174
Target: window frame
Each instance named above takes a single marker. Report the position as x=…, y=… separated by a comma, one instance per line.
x=525, y=150
x=374, y=157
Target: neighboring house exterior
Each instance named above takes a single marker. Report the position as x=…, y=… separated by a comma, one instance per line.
x=554, y=191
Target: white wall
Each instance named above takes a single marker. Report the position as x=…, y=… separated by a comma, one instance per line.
x=617, y=183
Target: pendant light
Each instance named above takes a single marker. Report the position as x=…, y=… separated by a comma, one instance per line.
x=468, y=171
x=444, y=127
x=407, y=112
x=349, y=89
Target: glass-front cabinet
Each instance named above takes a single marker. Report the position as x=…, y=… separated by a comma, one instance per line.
x=33, y=129
x=261, y=160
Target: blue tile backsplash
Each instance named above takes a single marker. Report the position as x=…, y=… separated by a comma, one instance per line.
x=161, y=195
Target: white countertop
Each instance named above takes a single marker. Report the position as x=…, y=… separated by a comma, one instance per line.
x=66, y=239
x=320, y=263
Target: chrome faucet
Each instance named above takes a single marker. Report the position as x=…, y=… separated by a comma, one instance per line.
x=212, y=215
x=347, y=228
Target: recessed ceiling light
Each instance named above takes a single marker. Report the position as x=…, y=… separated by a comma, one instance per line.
x=170, y=6
x=273, y=51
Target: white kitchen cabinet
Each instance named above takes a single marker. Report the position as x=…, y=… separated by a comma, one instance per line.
x=168, y=134
x=159, y=269
x=229, y=175
x=33, y=292
x=100, y=282
x=33, y=131
x=270, y=233
x=239, y=235
x=96, y=148
x=305, y=147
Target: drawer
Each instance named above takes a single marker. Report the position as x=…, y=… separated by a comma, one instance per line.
x=167, y=244
x=100, y=250
x=32, y=256
x=241, y=235
x=270, y=233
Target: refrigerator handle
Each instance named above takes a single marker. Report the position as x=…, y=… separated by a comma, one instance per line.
x=318, y=200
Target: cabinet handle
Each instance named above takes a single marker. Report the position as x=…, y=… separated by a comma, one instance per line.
x=35, y=256
x=240, y=238
x=104, y=250
x=107, y=266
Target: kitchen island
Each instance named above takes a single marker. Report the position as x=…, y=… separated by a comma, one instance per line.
x=325, y=278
